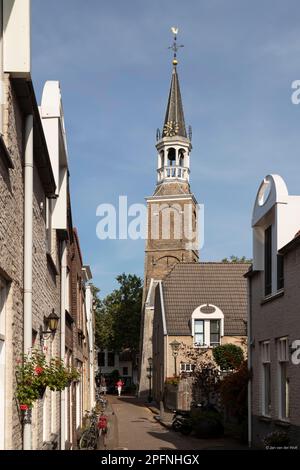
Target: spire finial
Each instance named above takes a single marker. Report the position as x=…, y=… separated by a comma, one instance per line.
x=175, y=46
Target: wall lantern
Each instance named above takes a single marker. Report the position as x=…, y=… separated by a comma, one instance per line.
x=51, y=323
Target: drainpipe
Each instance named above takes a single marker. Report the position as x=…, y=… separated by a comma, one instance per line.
x=63, y=340
x=28, y=242
x=91, y=342
x=249, y=364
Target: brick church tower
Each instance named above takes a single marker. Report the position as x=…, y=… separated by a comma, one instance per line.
x=172, y=214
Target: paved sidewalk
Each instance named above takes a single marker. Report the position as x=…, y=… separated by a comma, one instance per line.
x=222, y=443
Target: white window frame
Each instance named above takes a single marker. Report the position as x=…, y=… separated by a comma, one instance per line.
x=49, y=234
x=265, y=360
x=186, y=367
x=207, y=317
x=67, y=291
x=282, y=360
x=3, y=302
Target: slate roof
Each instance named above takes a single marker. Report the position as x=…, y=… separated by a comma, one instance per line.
x=190, y=285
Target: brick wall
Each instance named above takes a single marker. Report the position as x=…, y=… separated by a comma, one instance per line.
x=11, y=256
x=46, y=283
x=271, y=320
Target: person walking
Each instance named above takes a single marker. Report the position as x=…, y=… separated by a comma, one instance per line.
x=119, y=386
x=103, y=387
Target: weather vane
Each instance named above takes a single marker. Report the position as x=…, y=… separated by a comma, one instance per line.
x=175, y=46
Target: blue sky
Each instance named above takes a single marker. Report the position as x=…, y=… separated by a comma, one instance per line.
x=236, y=70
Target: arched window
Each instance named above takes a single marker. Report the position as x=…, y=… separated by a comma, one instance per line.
x=181, y=157
x=171, y=157
x=207, y=326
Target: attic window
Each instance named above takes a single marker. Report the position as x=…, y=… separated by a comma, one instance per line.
x=264, y=192
x=207, y=326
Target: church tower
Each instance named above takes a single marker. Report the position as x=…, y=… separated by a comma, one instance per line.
x=172, y=212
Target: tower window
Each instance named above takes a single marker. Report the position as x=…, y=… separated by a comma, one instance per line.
x=171, y=156
x=181, y=158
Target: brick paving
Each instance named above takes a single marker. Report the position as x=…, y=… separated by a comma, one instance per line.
x=139, y=430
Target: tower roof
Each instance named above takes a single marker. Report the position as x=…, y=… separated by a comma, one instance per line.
x=174, y=121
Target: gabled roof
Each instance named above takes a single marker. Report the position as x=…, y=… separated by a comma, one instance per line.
x=174, y=111
x=190, y=285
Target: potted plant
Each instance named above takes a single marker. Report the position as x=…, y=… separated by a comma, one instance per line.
x=34, y=375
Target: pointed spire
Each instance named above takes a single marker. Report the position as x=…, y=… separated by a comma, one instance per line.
x=174, y=121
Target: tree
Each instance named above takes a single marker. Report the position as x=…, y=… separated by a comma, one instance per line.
x=236, y=259
x=234, y=389
x=118, y=315
x=205, y=372
x=228, y=356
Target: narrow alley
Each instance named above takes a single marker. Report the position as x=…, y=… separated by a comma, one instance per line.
x=139, y=430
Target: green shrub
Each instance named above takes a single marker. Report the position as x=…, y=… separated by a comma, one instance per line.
x=207, y=423
x=276, y=439
x=228, y=356
x=172, y=380
x=234, y=390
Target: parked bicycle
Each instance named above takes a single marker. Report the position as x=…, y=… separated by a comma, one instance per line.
x=100, y=400
x=103, y=429
x=89, y=437
x=182, y=422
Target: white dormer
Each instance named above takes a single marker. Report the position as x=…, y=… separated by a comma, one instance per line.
x=275, y=221
x=207, y=324
x=52, y=115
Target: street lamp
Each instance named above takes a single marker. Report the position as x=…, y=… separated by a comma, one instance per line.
x=175, y=349
x=150, y=362
x=51, y=323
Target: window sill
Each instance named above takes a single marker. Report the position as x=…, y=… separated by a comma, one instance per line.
x=5, y=153
x=271, y=297
x=266, y=419
x=283, y=423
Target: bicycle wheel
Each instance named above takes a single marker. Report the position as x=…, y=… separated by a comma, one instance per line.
x=84, y=440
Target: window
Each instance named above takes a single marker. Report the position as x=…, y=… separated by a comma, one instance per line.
x=101, y=359
x=199, y=333
x=207, y=326
x=3, y=298
x=280, y=277
x=68, y=291
x=207, y=333
x=214, y=333
x=268, y=260
x=181, y=158
x=111, y=359
x=49, y=231
x=171, y=157
x=45, y=417
x=283, y=380
x=125, y=370
x=266, y=378
x=184, y=367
